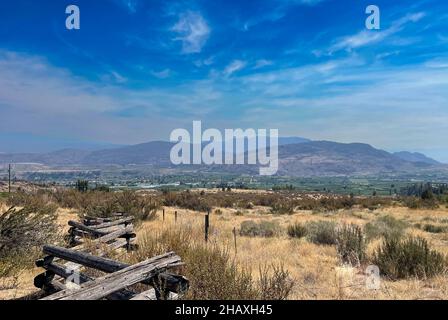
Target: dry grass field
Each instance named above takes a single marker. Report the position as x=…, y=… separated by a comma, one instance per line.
x=315, y=271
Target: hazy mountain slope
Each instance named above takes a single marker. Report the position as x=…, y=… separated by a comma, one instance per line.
x=331, y=158
x=157, y=152
x=314, y=158
x=61, y=157
x=415, y=157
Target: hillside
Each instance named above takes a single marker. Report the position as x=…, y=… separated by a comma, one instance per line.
x=306, y=158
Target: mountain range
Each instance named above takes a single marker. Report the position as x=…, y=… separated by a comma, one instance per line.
x=297, y=157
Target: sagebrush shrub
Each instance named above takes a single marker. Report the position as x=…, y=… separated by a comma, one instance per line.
x=275, y=283
x=321, y=232
x=410, y=257
x=261, y=229
x=350, y=244
x=283, y=207
x=24, y=231
x=296, y=230
x=385, y=226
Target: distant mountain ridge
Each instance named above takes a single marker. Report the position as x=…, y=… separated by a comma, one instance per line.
x=415, y=157
x=297, y=157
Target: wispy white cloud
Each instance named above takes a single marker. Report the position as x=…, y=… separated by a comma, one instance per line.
x=234, y=66
x=163, y=74
x=262, y=63
x=369, y=37
x=193, y=32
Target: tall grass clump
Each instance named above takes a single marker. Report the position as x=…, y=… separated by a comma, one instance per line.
x=350, y=244
x=296, y=230
x=261, y=229
x=283, y=207
x=385, y=226
x=275, y=283
x=431, y=228
x=321, y=232
x=406, y=258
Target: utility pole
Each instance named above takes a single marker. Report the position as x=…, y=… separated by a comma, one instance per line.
x=9, y=178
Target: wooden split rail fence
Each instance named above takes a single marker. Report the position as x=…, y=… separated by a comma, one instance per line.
x=69, y=281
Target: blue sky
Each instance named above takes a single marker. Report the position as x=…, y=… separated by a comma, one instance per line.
x=138, y=69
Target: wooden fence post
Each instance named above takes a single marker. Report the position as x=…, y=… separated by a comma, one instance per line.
x=9, y=178
x=175, y=216
x=207, y=225
x=163, y=214
x=234, y=239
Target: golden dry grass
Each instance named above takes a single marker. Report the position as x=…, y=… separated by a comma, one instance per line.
x=316, y=269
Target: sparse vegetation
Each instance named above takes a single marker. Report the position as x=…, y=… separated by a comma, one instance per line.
x=296, y=230
x=23, y=232
x=261, y=229
x=227, y=269
x=283, y=207
x=431, y=228
x=321, y=232
x=350, y=244
x=213, y=274
x=385, y=226
x=406, y=258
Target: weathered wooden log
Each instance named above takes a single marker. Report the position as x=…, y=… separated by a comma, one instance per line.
x=108, y=284
x=80, y=226
x=124, y=221
x=66, y=273
x=151, y=295
x=164, y=281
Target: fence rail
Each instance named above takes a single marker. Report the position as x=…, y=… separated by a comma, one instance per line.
x=70, y=281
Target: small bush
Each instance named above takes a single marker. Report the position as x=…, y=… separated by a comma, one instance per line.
x=283, y=207
x=23, y=232
x=262, y=229
x=321, y=232
x=411, y=257
x=386, y=226
x=419, y=203
x=350, y=244
x=275, y=286
x=296, y=230
x=434, y=229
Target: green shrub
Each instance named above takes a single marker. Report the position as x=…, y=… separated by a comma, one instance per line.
x=262, y=229
x=411, y=257
x=434, y=229
x=350, y=244
x=296, y=230
x=321, y=232
x=385, y=226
